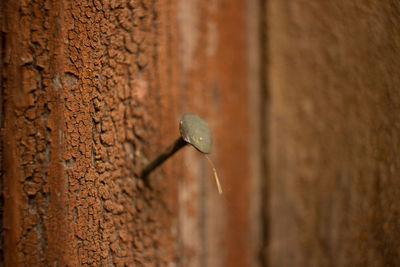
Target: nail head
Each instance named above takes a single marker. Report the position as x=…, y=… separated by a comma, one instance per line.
x=194, y=130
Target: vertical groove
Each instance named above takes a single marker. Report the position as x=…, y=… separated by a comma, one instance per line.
x=264, y=111
x=257, y=106
x=2, y=46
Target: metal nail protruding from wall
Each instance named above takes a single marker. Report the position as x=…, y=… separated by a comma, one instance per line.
x=194, y=131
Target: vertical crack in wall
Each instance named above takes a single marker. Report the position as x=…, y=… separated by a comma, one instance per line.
x=2, y=78
x=264, y=130
x=257, y=104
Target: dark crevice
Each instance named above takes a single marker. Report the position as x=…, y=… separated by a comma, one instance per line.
x=264, y=114
x=2, y=56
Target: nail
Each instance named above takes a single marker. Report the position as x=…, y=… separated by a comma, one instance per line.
x=194, y=131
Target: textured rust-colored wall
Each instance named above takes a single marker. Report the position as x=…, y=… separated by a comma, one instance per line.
x=334, y=133
x=91, y=91
x=34, y=190
x=80, y=78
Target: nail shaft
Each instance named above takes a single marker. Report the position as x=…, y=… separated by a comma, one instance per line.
x=168, y=152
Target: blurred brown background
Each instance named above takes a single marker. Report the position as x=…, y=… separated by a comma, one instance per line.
x=302, y=99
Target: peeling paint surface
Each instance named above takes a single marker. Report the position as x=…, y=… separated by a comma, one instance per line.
x=92, y=90
x=79, y=111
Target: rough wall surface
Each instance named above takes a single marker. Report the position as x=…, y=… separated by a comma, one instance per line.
x=33, y=184
x=78, y=80
x=91, y=90
x=334, y=133
x=217, y=78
